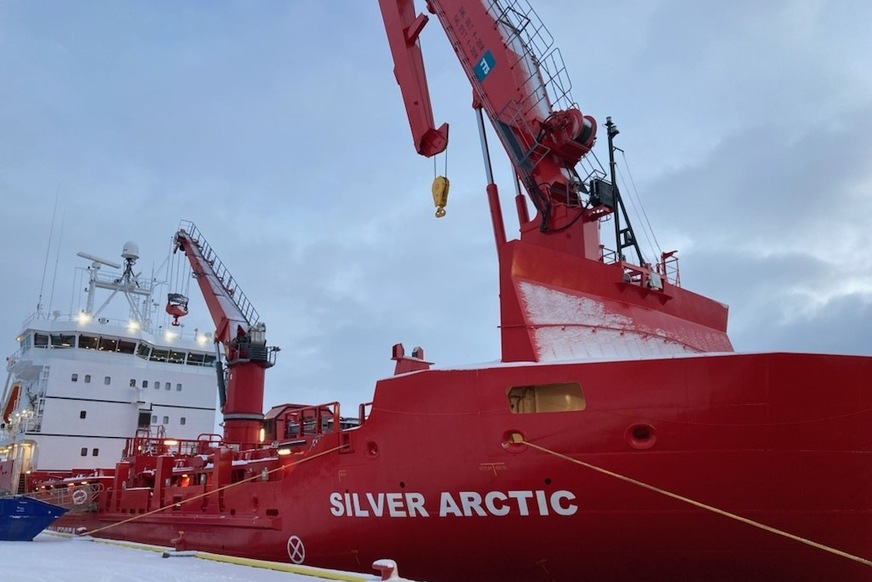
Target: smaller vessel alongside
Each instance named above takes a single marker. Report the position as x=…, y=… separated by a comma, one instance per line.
x=22, y=517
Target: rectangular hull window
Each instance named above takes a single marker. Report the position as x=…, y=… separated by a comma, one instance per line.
x=560, y=397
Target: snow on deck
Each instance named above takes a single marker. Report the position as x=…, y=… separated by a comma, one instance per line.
x=577, y=327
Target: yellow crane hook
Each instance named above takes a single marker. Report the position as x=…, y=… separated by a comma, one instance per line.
x=440, y=194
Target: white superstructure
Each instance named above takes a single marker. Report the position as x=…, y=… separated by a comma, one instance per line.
x=81, y=384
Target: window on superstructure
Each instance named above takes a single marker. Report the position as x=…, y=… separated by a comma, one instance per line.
x=157, y=385
x=87, y=378
x=178, y=387
x=107, y=380
x=153, y=419
x=95, y=452
x=83, y=413
x=133, y=382
x=143, y=350
x=159, y=355
x=74, y=378
x=89, y=342
x=177, y=357
x=126, y=347
x=183, y=420
x=166, y=419
x=84, y=451
x=62, y=340
x=145, y=383
x=108, y=344
x=40, y=340
x=559, y=397
x=168, y=385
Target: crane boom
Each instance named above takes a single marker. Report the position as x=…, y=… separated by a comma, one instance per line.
x=518, y=79
x=238, y=330
x=403, y=28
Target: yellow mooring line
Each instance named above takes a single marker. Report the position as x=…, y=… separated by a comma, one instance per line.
x=281, y=567
x=309, y=571
x=516, y=438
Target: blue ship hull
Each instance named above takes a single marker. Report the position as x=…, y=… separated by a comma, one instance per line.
x=22, y=518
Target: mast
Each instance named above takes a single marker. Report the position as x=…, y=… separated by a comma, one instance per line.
x=624, y=237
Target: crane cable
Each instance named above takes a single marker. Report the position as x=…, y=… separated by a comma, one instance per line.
x=517, y=439
x=258, y=476
x=636, y=201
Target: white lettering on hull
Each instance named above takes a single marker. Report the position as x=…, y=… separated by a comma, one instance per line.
x=459, y=504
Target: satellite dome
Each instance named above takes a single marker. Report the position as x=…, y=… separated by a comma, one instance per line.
x=130, y=250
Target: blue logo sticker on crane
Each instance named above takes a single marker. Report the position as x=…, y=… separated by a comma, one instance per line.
x=484, y=66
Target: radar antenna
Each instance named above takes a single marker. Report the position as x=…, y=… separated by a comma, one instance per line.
x=95, y=259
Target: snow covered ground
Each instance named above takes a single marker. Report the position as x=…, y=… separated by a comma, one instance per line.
x=51, y=557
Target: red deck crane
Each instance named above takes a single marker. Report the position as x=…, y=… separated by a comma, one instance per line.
x=519, y=80
x=239, y=331
x=520, y=83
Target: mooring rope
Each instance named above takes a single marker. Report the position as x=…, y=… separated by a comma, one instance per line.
x=212, y=492
x=518, y=439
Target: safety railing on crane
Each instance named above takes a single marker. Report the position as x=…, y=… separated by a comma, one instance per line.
x=227, y=281
x=543, y=68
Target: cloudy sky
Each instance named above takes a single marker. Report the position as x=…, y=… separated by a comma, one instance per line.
x=277, y=127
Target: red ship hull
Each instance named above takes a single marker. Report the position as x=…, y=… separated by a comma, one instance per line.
x=433, y=479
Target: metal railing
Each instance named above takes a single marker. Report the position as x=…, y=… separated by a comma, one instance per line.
x=234, y=291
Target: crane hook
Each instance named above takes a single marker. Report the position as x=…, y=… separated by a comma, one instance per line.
x=440, y=194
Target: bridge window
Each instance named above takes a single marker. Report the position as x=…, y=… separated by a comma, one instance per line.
x=176, y=357
x=89, y=342
x=126, y=347
x=143, y=351
x=108, y=344
x=40, y=340
x=159, y=355
x=62, y=340
x=559, y=397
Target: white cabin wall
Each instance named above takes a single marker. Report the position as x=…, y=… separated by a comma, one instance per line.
x=63, y=454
